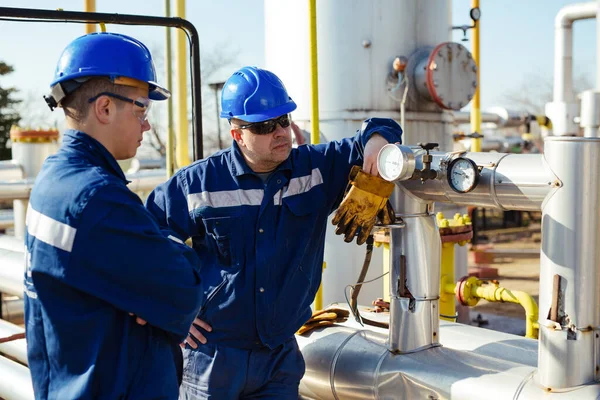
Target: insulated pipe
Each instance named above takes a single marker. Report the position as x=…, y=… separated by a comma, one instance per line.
x=569, y=259
x=16, y=349
x=11, y=170
x=8, y=242
x=507, y=181
x=15, y=381
x=563, y=47
x=564, y=107
x=141, y=181
x=414, y=265
x=11, y=272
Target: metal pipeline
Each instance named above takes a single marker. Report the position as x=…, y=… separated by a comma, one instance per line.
x=350, y=364
x=16, y=349
x=470, y=290
x=564, y=107
x=11, y=171
x=11, y=273
x=12, y=309
x=570, y=309
x=507, y=181
x=141, y=181
x=15, y=383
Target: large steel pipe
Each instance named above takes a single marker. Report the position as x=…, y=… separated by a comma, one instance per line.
x=142, y=181
x=8, y=242
x=16, y=349
x=507, y=181
x=569, y=276
x=346, y=363
x=15, y=381
x=10, y=171
x=11, y=272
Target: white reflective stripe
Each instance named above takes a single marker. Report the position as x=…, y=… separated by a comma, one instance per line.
x=229, y=198
x=277, y=197
x=173, y=238
x=303, y=184
x=49, y=230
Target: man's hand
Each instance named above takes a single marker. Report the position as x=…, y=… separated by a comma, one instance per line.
x=375, y=143
x=196, y=333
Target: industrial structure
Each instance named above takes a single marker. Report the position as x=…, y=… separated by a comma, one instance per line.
x=396, y=59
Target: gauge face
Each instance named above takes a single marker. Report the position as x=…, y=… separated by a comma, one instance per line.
x=475, y=13
x=463, y=175
x=389, y=162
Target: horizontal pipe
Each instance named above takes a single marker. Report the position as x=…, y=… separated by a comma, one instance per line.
x=16, y=349
x=15, y=381
x=11, y=272
x=13, y=309
x=507, y=181
x=142, y=181
x=9, y=242
x=494, y=293
x=10, y=171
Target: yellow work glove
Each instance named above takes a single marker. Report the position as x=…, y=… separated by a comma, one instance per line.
x=358, y=211
x=326, y=317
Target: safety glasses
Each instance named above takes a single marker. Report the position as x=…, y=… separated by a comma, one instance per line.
x=268, y=126
x=141, y=105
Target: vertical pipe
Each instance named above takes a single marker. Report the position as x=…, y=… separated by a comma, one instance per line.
x=598, y=47
x=476, y=107
x=90, y=6
x=169, y=80
x=314, y=73
x=183, y=157
x=314, y=104
x=567, y=354
x=447, y=302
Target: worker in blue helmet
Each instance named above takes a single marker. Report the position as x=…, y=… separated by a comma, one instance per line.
x=109, y=297
x=256, y=213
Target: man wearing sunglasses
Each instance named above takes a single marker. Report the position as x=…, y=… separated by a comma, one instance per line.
x=98, y=265
x=257, y=213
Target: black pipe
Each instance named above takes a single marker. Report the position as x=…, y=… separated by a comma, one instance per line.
x=21, y=14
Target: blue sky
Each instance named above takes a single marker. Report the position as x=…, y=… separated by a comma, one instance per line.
x=517, y=39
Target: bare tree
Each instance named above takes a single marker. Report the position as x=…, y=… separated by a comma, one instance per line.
x=535, y=91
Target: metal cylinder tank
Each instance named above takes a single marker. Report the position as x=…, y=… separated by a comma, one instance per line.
x=357, y=43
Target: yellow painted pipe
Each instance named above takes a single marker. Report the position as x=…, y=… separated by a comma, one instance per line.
x=447, y=302
x=314, y=73
x=314, y=104
x=183, y=157
x=495, y=293
x=90, y=6
x=476, y=105
x=168, y=71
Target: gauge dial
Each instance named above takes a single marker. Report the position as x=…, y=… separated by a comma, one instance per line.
x=395, y=162
x=463, y=175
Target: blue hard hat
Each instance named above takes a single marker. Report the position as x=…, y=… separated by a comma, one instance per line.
x=255, y=95
x=111, y=55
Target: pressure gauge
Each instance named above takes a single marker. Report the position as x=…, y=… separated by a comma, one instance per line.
x=475, y=13
x=463, y=175
x=395, y=162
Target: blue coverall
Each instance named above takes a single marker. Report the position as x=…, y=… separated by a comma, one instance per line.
x=94, y=255
x=262, y=246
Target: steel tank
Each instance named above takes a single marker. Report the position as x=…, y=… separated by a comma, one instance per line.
x=357, y=43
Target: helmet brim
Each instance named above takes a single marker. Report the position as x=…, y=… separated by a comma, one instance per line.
x=266, y=115
x=158, y=92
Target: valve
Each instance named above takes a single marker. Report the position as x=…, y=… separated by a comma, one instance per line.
x=426, y=173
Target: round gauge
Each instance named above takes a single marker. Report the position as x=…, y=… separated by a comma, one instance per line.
x=395, y=162
x=475, y=13
x=463, y=175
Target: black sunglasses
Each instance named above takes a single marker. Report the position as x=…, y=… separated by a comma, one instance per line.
x=268, y=126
